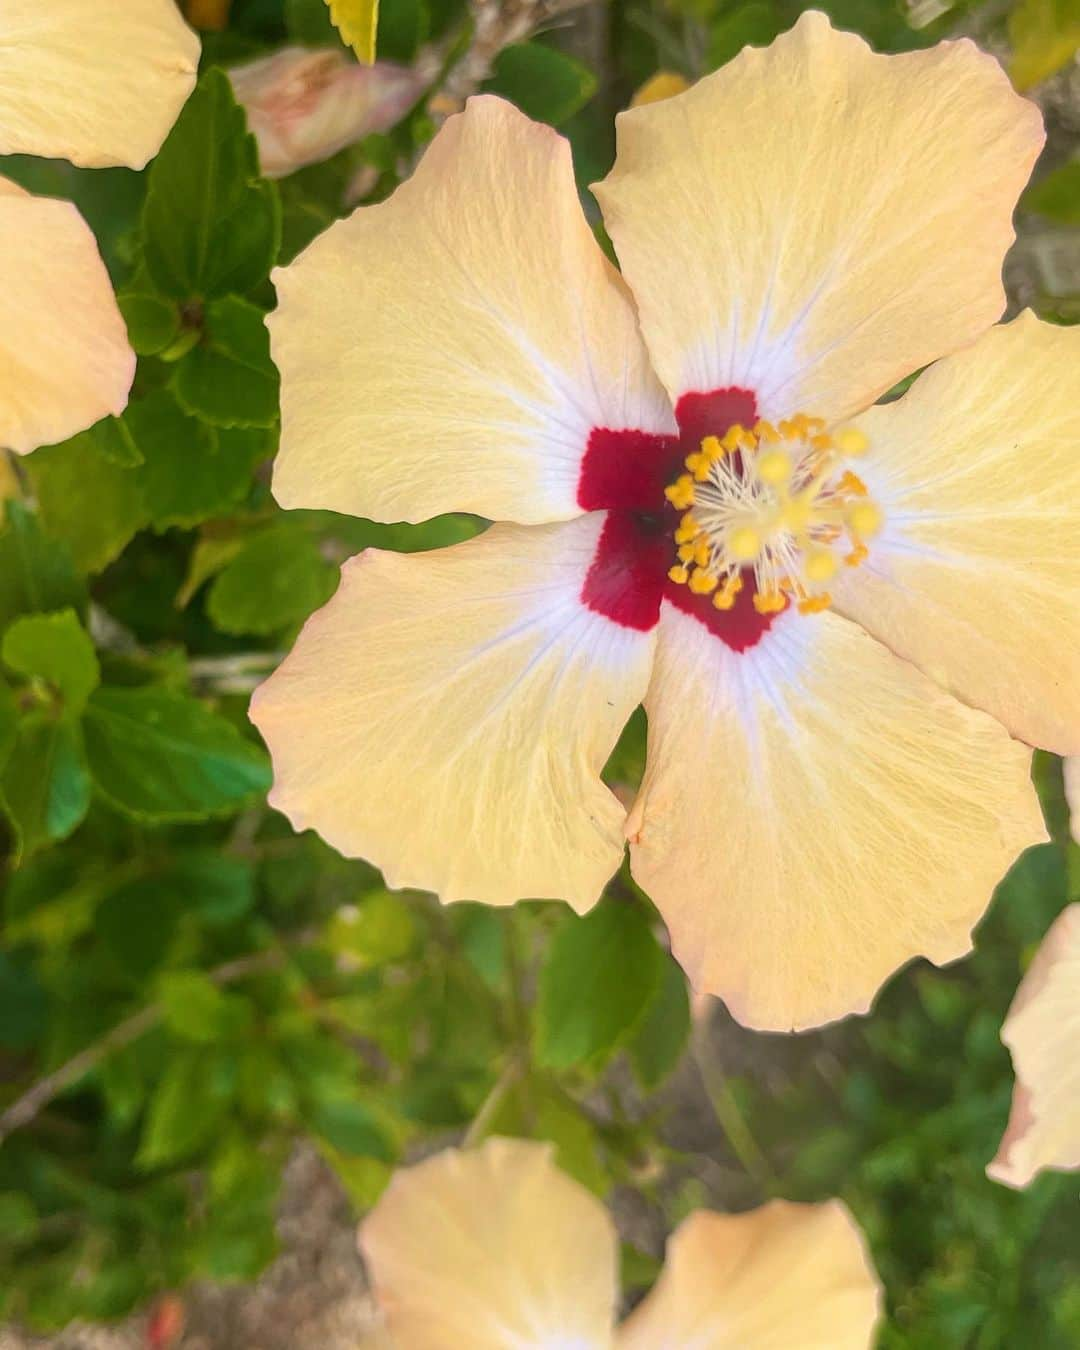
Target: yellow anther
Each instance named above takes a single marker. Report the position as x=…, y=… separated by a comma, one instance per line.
x=769, y=602
x=686, y=552
x=679, y=575
x=688, y=529
x=851, y=441
x=820, y=564
x=857, y=555
x=788, y=429
x=732, y=437
x=774, y=466
x=744, y=543
x=699, y=464
x=724, y=599
x=814, y=604
x=864, y=520
x=822, y=442
x=702, y=582
x=710, y=445
x=851, y=482
x=681, y=493
x=814, y=423
x=702, y=552
x=765, y=431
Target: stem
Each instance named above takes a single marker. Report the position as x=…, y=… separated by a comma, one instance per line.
x=728, y=1115
x=27, y=1107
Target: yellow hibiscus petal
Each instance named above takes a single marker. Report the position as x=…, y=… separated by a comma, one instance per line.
x=491, y=1249
x=64, y=354
x=778, y=1277
x=97, y=83
x=453, y=347
x=1042, y=1032
x=814, y=221
x=976, y=575
x=447, y=716
x=814, y=813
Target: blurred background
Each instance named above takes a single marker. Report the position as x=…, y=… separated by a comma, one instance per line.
x=217, y=1038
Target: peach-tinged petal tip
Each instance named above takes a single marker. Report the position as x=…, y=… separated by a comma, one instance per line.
x=448, y=714
x=815, y=813
x=97, y=83
x=453, y=347
x=65, y=360
x=491, y=1248
x=783, y=1275
x=1042, y=1032
x=814, y=220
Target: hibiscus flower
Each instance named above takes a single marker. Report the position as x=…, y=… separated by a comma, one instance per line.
x=847, y=622
x=496, y=1248
x=98, y=84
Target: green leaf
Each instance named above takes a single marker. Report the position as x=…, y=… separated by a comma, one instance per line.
x=277, y=579
x=309, y=23
x=36, y=573
x=210, y=225
x=754, y=24
x=379, y=930
x=357, y=21
x=113, y=440
x=46, y=788
x=137, y=922
x=211, y=553
x=192, y=471
x=1045, y=34
x=152, y=322
x=67, y=478
x=194, y=1007
x=659, y=1041
x=24, y=1006
x=601, y=973
x=185, y=1111
x=57, y=649
x=1057, y=196
x=544, y=83
x=351, y=1128
x=220, y=888
x=9, y=716
x=161, y=756
x=229, y=379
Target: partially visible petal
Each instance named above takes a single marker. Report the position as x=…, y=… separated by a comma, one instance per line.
x=454, y=347
x=814, y=221
x=65, y=360
x=304, y=106
x=97, y=82
x=1042, y=1032
x=814, y=813
x=447, y=716
x=1071, y=771
x=976, y=576
x=492, y=1249
x=778, y=1277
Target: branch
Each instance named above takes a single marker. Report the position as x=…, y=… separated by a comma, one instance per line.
x=27, y=1107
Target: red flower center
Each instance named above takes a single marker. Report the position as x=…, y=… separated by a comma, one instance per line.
x=625, y=473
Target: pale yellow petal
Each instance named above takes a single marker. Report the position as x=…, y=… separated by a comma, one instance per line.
x=452, y=348
x=780, y=1277
x=814, y=221
x=97, y=82
x=814, y=813
x=1042, y=1032
x=492, y=1249
x=976, y=576
x=65, y=361
x=447, y=716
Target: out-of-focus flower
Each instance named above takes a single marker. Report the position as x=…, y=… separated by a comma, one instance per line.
x=1042, y=1032
x=496, y=1247
x=99, y=84
x=210, y=15
x=166, y=1323
x=304, y=106
x=664, y=84
x=842, y=619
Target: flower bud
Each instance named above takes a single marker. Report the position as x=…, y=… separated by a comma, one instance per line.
x=304, y=106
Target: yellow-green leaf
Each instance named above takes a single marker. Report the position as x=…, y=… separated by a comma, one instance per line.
x=1045, y=34
x=356, y=21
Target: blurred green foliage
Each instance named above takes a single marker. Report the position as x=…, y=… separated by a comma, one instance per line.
x=186, y=987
